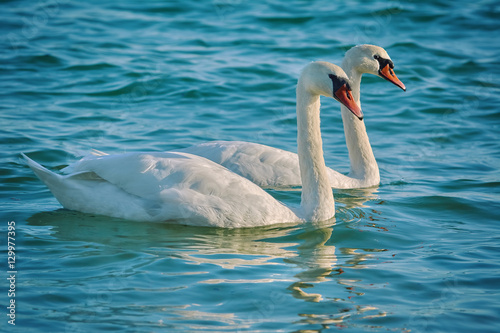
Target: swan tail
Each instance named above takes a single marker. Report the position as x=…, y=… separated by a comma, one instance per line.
x=48, y=177
x=76, y=191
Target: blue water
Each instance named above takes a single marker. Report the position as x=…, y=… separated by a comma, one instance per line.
x=419, y=253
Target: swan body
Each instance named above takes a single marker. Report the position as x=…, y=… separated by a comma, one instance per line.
x=190, y=189
x=265, y=166
x=274, y=168
x=157, y=187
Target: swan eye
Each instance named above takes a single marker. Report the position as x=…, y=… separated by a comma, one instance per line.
x=376, y=56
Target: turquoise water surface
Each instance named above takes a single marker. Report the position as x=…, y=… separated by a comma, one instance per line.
x=419, y=253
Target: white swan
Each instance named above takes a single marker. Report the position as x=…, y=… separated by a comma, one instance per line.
x=189, y=189
x=271, y=167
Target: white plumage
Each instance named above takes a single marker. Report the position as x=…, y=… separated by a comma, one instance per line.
x=274, y=168
x=190, y=189
x=177, y=187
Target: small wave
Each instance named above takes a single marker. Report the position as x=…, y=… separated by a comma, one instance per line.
x=468, y=66
x=39, y=60
x=388, y=11
x=135, y=90
x=348, y=215
x=287, y=20
x=399, y=183
x=90, y=67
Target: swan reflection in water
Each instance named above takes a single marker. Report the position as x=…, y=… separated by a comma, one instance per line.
x=187, y=256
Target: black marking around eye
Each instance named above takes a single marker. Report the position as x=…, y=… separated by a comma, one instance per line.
x=384, y=62
x=338, y=82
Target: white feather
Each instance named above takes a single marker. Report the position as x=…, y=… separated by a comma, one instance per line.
x=270, y=167
x=190, y=189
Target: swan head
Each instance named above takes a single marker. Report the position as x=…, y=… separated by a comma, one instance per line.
x=326, y=79
x=374, y=60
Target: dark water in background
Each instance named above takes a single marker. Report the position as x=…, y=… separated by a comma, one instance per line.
x=419, y=253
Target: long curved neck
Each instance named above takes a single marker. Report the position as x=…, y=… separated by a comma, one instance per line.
x=317, y=202
x=363, y=164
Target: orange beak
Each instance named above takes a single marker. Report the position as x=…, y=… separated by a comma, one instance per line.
x=388, y=74
x=344, y=96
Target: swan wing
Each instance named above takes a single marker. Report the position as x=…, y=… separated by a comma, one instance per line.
x=265, y=166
